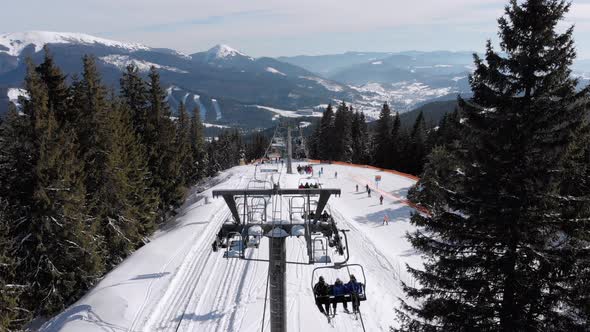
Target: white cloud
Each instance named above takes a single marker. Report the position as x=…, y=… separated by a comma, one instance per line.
x=270, y=27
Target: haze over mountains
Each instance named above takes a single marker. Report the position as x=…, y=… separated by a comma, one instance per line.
x=233, y=89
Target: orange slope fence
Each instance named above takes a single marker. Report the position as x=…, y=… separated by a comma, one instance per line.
x=385, y=170
x=416, y=207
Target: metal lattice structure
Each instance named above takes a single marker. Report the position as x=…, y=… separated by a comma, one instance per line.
x=246, y=224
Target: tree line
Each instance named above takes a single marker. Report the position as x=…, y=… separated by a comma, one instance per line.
x=86, y=175
x=345, y=136
x=506, y=242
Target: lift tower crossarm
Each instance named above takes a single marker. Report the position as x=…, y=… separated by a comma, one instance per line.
x=230, y=194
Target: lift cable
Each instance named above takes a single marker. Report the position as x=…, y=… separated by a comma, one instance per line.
x=265, y=300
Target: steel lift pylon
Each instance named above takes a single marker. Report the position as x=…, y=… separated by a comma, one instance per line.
x=277, y=231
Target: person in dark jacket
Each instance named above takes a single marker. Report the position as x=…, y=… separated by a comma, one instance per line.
x=322, y=292
x=338, y=291
x=355, y=289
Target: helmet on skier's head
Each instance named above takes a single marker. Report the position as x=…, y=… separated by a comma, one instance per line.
x=338, y=281
x=352, y=277
x=321, y=279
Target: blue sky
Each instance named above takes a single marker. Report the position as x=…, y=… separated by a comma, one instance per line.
x=281, y=27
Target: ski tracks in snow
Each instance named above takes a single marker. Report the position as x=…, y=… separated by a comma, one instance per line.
x=169, y=310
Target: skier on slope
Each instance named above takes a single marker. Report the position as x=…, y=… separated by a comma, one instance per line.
x=357, y=188
x=385, y=220
x=381, y=200
x=369, y=192
x=322, y=291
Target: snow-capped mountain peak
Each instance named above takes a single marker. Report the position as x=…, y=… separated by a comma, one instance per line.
x=222, y=51
x=14, y=43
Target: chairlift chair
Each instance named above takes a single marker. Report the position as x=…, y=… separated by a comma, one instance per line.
x=348, y=298
x=235, y=245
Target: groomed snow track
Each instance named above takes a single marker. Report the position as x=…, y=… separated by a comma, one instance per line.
x=177, y=283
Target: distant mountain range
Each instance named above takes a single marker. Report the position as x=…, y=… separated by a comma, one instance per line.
x=232, y=89
x=229, y=87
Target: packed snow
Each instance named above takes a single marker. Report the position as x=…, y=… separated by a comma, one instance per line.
x=217, y=109
x=16, y=42
x=122, y=61
x=222, y=51
x=177, y=283
x=325, y=83
x=212, y=125
x=401, y=96
x=288, y=113
x=202, y=108
x=14, y=93
x=274, y=71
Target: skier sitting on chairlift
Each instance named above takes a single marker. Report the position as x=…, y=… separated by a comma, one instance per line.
x=338, y=291
x=322, y=291
x=355, y=288
x=306, y=185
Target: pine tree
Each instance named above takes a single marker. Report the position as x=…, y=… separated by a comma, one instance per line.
x=382, y=139
x=57, y=237
x=134, y=92
x=163, y=162
x=364, y=147
x=355, y=133
x=505, y=248
x=90, y=102
x=397, y=145
x=326, y=142
x=343, y=134
x=257, y=147
x=417, y=146
x=449, y=130
x=183, y=146
x=128, y=204
x=57, y=89
x=9, y=288
x=313, y=145
x=198, y=149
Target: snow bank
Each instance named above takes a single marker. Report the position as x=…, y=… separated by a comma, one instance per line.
x=177, y=283
x=326, y=84
x=122, y=61
x=274, y=71
x=17, y=42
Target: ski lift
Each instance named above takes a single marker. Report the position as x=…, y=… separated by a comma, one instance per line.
x=296, y=206
x=235, y=246
x=254, y=235
x=311, y=181
x=320, y=250
x=352, y=296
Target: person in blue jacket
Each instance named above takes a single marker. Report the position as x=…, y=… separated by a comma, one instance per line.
x=338, y=291
x=354, y=288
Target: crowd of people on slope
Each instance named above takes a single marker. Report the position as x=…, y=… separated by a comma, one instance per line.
x=338, y=292
x=308, y=169
x=307, y=185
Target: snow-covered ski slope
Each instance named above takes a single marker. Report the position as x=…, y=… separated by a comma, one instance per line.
x=176, y=282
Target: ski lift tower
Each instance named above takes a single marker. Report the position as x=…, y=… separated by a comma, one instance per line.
x=245, y=226
x=281, y=145
x=289, y=151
